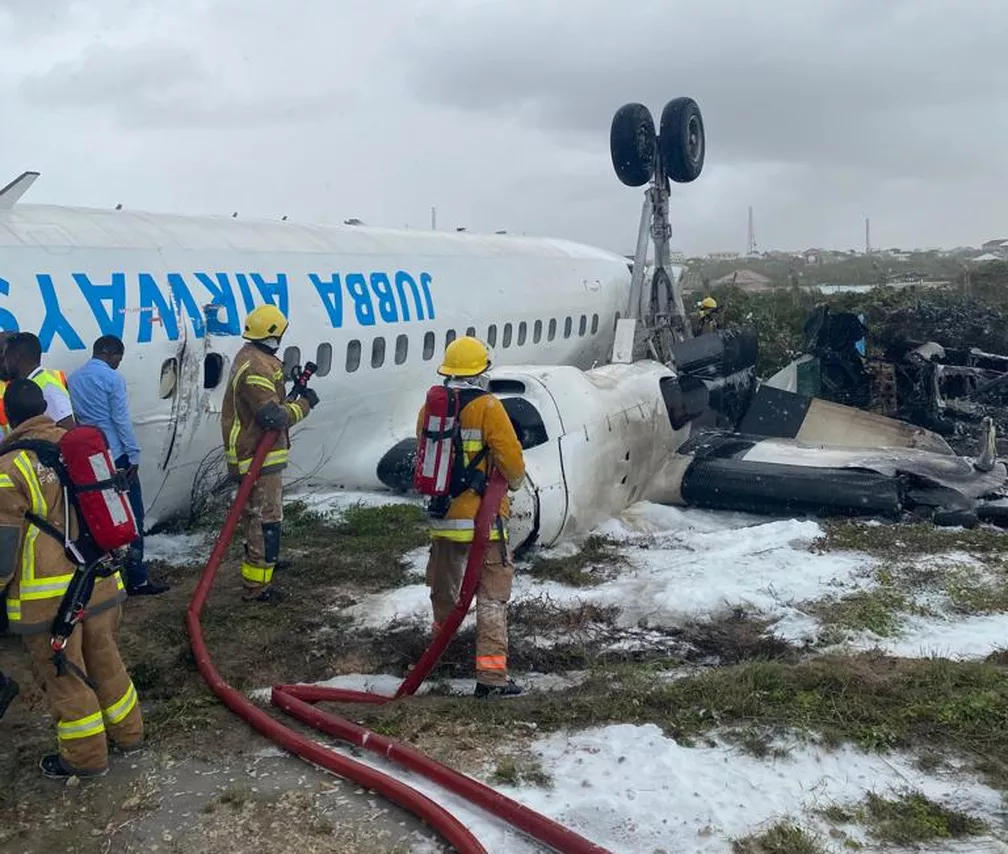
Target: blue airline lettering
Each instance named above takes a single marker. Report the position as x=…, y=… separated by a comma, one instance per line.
x=394, y=298
x=110, y=319
x=8, y=322
x=54, y=322
x=331, y=294
x=221, y=295
x=246, y=291
x=273, y=292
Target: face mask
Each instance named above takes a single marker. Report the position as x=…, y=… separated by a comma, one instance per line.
x=271, y=343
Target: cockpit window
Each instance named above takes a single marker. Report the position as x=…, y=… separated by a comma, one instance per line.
x=527, y=422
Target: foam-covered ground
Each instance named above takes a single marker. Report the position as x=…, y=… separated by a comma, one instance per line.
x=694, y=565
x=632, y=789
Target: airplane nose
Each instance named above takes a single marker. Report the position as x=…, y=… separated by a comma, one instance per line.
x=395, y=468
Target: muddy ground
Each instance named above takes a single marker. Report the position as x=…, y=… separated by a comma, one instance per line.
x=207, y=783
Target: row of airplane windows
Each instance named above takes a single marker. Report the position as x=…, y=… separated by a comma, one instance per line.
x=509, y=335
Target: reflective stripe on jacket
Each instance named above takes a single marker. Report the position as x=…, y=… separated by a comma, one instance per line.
x=483, y=421
x=42, y=380
x=256, y=380
x=33, y=565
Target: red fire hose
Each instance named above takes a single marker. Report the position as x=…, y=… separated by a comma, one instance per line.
x=295, y=700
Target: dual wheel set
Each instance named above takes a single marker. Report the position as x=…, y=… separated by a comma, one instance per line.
x=676, y=152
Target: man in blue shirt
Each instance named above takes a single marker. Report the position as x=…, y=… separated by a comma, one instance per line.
x=98, y=395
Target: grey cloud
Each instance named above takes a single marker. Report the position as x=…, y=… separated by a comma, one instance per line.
x=498, y=113
x=106, y=75
x=881, y=86
x=161, y=85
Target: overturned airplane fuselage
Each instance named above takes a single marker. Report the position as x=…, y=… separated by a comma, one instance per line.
x=597, y=441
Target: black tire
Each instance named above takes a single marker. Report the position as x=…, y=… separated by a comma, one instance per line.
x=682, y=140
x=633, y=144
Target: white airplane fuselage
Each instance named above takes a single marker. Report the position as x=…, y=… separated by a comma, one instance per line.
x=374, y=308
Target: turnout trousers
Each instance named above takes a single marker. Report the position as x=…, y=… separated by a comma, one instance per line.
x=86, y=718
x=445, y=568
x=261, y=521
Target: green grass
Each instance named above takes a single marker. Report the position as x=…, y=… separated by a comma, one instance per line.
x=908, y=819
x=362, y=545
x=901, y=542
x=875, y=702
x=783, y=838
x=513, y=772
x=584, y=568
x=878, y=610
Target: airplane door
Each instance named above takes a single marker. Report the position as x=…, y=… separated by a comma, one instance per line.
x=540, y=506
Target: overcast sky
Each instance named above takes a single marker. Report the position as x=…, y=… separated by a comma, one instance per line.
x=498, y=111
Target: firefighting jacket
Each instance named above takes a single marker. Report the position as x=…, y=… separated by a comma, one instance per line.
x=253, y=404
x=34, y=569
x=483, y=422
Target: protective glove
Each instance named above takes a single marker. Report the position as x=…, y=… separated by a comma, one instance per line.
x=311, y=397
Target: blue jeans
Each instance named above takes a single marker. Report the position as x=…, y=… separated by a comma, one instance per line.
x=136, y=572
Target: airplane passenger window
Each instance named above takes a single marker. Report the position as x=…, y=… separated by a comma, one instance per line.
x=471, y=331
x=353, y=352
x=594, y=324
x=552, y=330
x=537, y=332
x=506, y=338
x=169, y=376
x=449, y=337
x=527, y=422
x=428, y=346
x=213, y=370
x=568, y=325
x=291, y=359
x=583, y=325
x=323, y=358
x=492, y=335
x=401, y=349
x=378, y=352
x=522, y=332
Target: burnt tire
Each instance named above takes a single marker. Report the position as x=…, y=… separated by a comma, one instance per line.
x=682, y=141
x=633, y=144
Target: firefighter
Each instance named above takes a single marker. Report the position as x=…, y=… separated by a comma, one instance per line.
x=36, y=573
x=484, y=424
x=707, y=315
x=254, y=404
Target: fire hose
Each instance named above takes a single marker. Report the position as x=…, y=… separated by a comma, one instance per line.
x=296, y=700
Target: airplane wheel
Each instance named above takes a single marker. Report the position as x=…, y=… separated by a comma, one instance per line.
x=682, y=140
x=633, y=144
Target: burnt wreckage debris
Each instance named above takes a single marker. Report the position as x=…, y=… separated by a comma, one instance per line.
x=813, y=449
x=949, y=390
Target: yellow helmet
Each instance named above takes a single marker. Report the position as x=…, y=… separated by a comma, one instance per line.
x=266, y=321
x=708, y=303
x=465, y=357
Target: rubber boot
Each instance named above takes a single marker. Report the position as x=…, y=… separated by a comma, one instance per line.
x=486, y=692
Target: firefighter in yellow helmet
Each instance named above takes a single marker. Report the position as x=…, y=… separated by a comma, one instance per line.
x=706, y=316
x=255, y=403
x=484, y=425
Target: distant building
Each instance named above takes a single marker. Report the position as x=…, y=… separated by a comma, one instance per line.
x=748, y=280
x=994, y=245
x=986, y=257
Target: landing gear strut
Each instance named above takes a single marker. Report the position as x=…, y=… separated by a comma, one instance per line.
x=640, y=156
